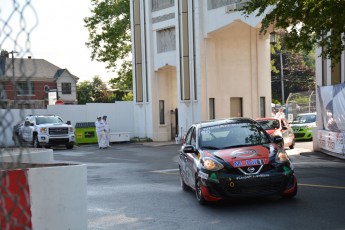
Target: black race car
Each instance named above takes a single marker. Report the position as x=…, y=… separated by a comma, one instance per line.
x=234, y=157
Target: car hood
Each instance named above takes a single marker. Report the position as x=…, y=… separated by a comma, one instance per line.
x=245, y=156
x=270, y=131
x=54, y=125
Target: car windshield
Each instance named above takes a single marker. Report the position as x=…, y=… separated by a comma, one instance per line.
x=269, y=124
x=48, y=120
x=232, y=135
x=302, y=119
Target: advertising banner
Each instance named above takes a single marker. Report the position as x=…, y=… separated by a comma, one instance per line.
x=332, y=141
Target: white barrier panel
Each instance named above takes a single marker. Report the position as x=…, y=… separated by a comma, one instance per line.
x=332, y=142
x=26, y=155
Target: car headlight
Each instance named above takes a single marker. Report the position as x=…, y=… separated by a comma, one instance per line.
x=43, y=130
x=211, y=164
x=281, y=157
x=71, y=129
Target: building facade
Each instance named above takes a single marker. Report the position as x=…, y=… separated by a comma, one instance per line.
x=196, y=60
x=26, y=82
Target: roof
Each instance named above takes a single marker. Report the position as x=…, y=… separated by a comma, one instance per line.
x=31, y=68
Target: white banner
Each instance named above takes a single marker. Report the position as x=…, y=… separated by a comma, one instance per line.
x=332, y=141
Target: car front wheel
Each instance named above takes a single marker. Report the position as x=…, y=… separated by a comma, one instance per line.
x=36, y=143
x=198, y=192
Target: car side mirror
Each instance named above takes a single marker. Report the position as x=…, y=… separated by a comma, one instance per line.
x=68, y=122
x=277, y=139
x=27, y=123
x=189, y=149
x=284, y=128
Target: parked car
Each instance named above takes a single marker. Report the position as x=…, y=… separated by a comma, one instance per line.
x=234, y=157
x=279, y=127
x=302, y=126
x=44, y=130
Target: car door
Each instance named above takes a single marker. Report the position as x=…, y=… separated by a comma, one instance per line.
x=185, y=158
x=27, y=130
x=287, y=132
x=191, y=159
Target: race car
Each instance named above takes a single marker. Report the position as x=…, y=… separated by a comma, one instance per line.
x=234, y=157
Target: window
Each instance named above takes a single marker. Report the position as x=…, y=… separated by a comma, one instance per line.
x=162, y=4
x=212, y=111
x=25, y=88
x=236, y=107
x=161, y=112
x=66, y=88
x=262, y=107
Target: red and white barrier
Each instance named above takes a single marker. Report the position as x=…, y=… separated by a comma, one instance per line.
x=43, y=196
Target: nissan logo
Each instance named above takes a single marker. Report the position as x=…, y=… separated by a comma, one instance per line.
x=251, y=169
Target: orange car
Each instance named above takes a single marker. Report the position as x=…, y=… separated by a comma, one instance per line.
x=278, y=127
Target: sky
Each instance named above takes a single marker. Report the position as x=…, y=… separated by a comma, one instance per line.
x=54, y=31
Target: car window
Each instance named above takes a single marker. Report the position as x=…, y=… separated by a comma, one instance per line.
x=189, y=135
x=230, y=135
x=269, y=124
x=307, y=118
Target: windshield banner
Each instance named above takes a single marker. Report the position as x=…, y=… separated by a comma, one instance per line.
x=332, y=107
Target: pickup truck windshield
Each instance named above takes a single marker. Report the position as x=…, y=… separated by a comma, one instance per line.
x=48, y=120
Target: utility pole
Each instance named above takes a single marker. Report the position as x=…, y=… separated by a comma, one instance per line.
x=13, y=78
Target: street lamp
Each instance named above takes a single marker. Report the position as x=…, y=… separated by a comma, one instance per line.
x=273, y=41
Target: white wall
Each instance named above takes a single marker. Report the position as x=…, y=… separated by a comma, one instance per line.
x=120, y=117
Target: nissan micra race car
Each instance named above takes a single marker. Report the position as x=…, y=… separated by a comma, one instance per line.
x=234, y=157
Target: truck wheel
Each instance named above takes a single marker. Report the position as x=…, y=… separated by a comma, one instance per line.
x=35, y=142
x=69, y=146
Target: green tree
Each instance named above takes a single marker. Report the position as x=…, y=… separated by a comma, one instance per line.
x=307, y=23
x=95, y=91
x=298, y=70
x=84, y=92
x=110, y=38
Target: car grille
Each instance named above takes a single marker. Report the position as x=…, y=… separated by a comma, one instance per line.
x=298, y=135
x=253, y=186
x=59, y=130
x=58, y=141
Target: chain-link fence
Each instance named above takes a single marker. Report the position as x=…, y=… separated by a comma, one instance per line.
x=18, y=20
x=301, y=102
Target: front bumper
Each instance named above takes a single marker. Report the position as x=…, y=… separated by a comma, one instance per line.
x=46, y=140
x=303, y=133
x=222, y=185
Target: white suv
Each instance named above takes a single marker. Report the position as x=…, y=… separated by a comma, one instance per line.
x=47, y=131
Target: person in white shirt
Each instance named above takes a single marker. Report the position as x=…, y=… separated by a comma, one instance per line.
x=280, y=114
x=107, y=131
x=101, y=134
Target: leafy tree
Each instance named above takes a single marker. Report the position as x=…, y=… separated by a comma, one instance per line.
x=110, y=38
x=95, y=91
x=298, y=70
x=84, y=92
x=307, y=23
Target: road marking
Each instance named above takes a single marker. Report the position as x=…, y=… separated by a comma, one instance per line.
x=322, y=186
x=167, y=171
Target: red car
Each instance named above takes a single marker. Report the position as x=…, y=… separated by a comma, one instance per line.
x=279, y=127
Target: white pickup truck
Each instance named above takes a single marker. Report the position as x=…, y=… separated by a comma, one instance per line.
x=46, y=130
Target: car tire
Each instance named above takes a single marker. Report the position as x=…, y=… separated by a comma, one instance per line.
x=35, y=142
x=293, y=194
x=69, y=146
x=184, y=186
x=198, y=192
x=292, y=146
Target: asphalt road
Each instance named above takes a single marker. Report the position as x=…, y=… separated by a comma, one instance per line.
x=136, y=186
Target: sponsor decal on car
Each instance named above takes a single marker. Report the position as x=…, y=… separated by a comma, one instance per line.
x=252, y=176
x=251, y=162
